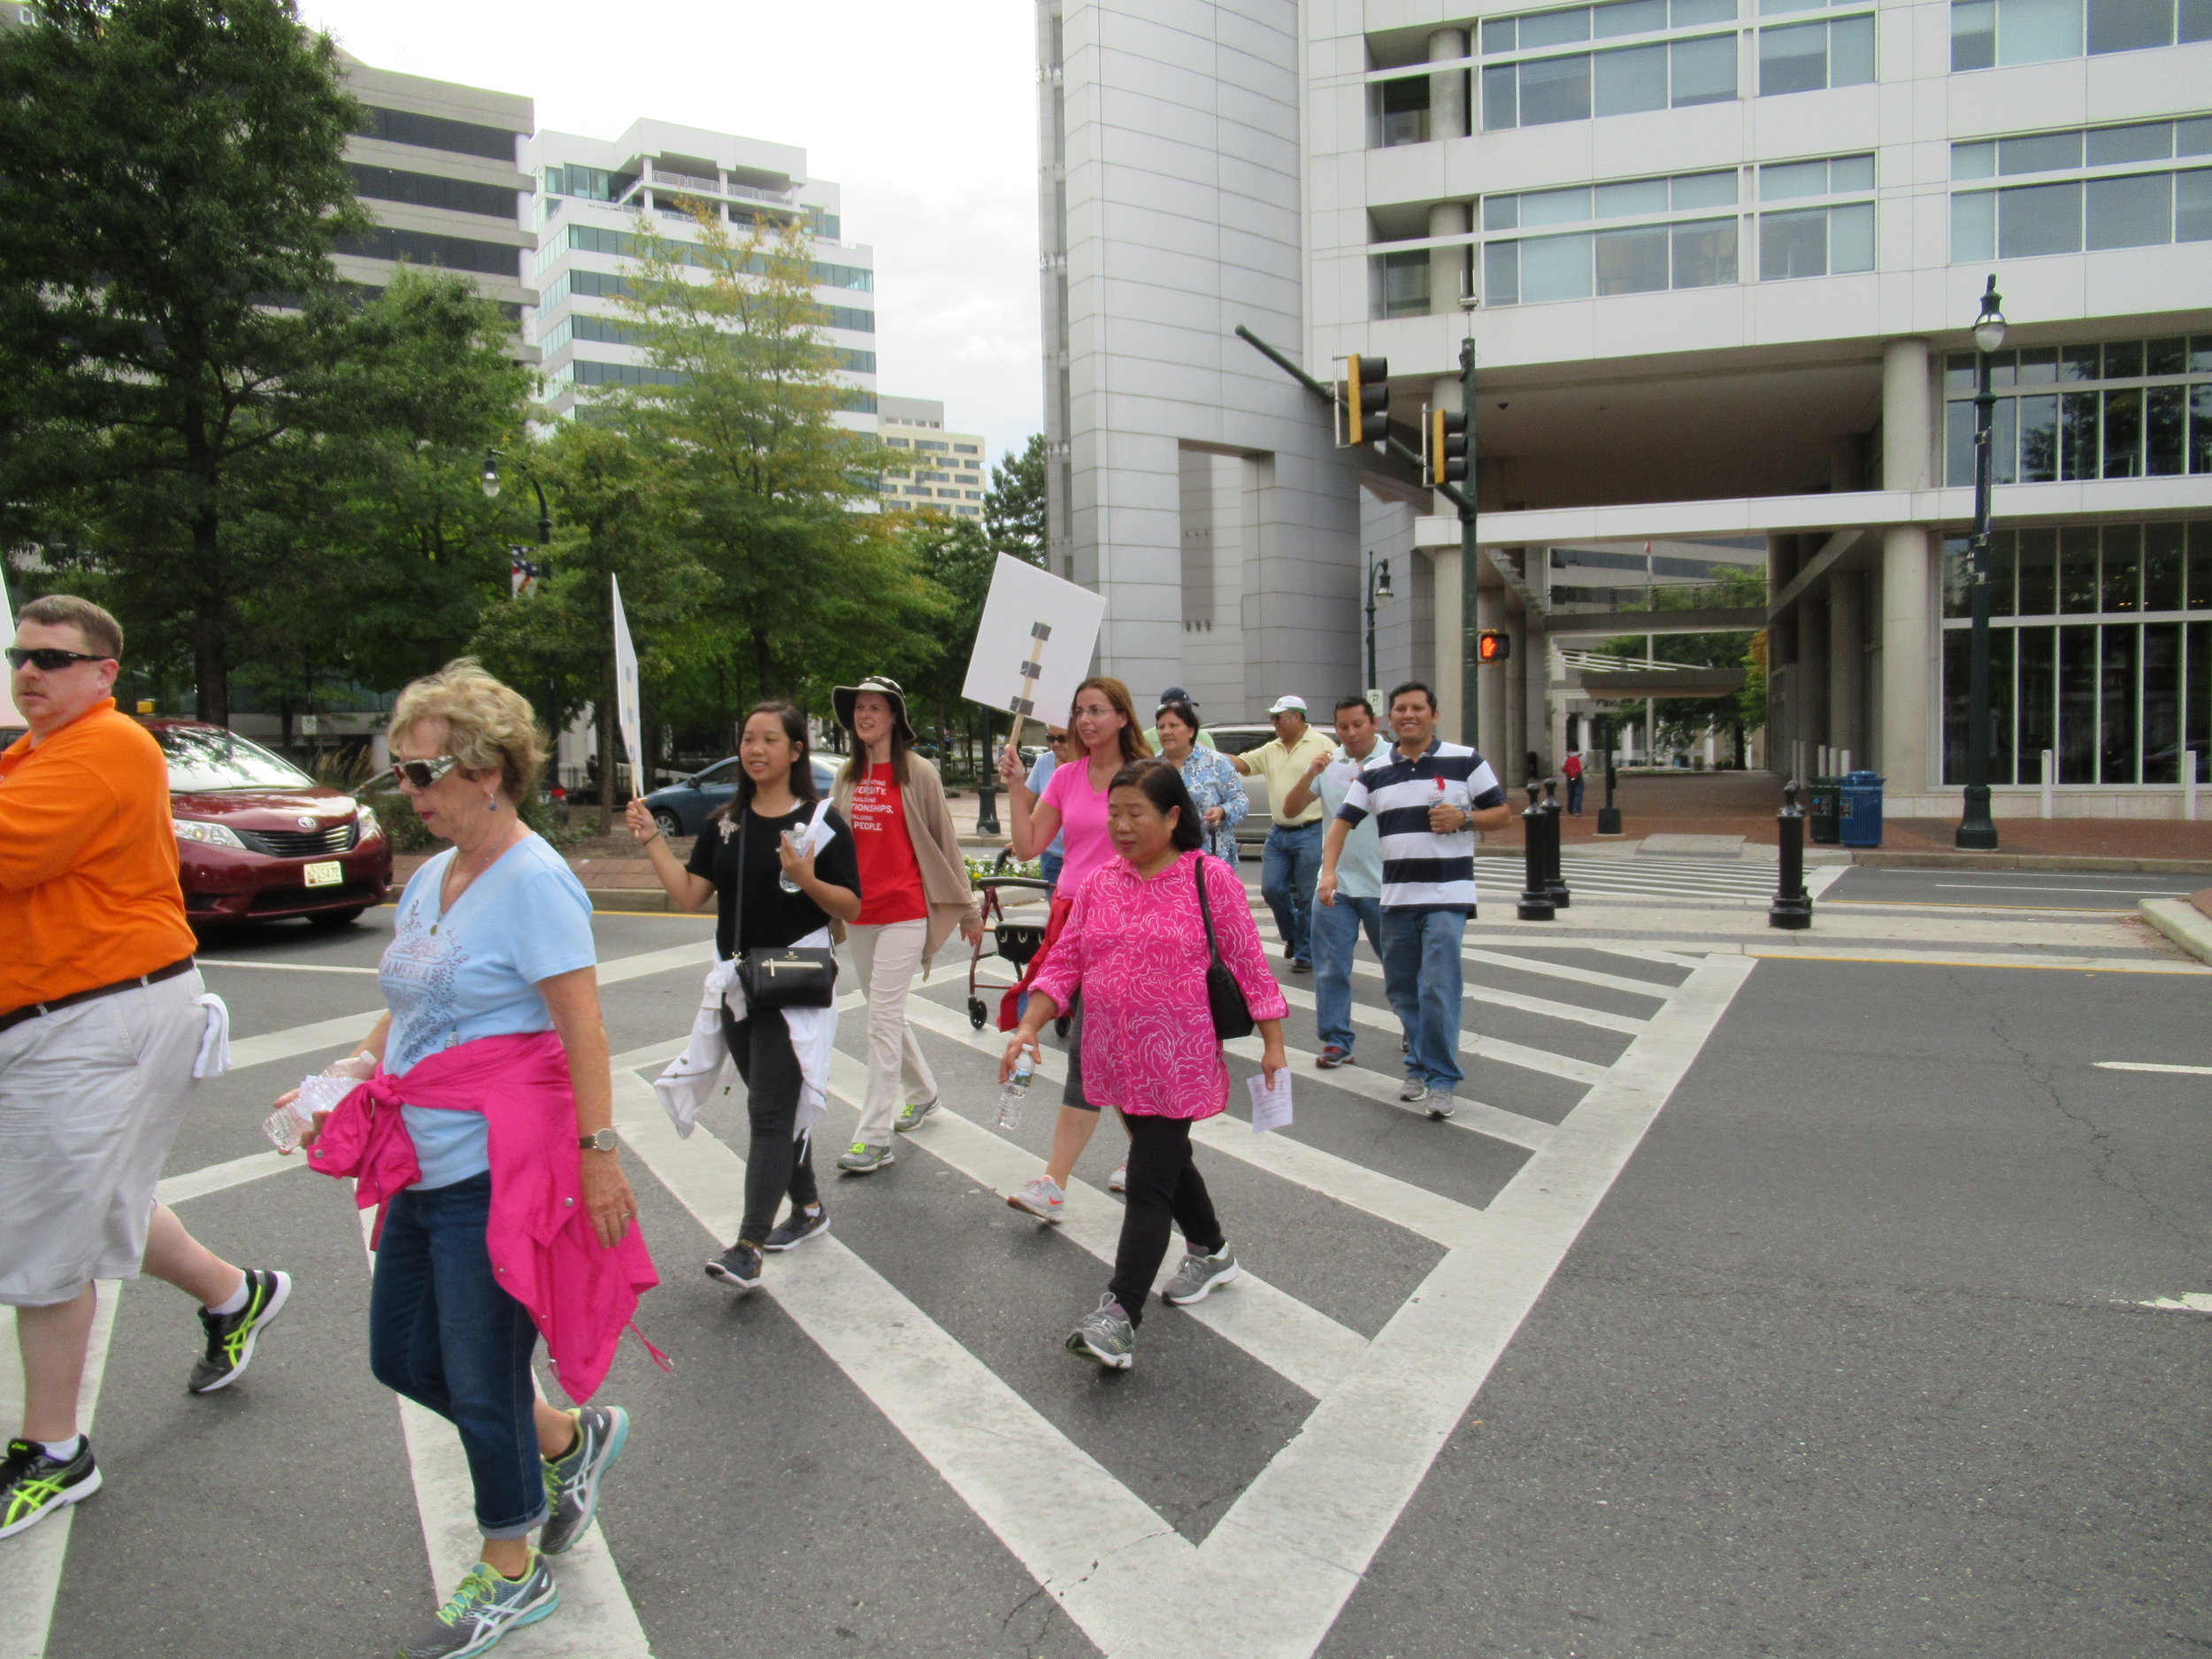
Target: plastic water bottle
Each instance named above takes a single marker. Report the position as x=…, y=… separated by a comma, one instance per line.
x=321, y=1093
x=1014, y=1093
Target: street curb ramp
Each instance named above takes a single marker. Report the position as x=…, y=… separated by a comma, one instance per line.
x=2187, y=922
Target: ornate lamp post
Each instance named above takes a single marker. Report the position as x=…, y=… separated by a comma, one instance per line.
x=1977, y=832
x=490, y=481
x=1378, y=590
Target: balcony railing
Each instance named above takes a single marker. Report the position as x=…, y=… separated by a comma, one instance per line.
x=781, y=198
x=688, y=181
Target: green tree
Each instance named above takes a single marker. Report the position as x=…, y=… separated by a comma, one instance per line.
x=168, y=311
x=804, y=577
x=1014, y=506
x=1676, y=722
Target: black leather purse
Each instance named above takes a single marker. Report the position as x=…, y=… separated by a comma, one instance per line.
x=779, y=976
x=1224, y=997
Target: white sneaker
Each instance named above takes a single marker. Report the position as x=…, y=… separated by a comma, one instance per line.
x=1041, y=1198
x=1118, y=1181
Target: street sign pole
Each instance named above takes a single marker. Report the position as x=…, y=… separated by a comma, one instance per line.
x=1470, y=622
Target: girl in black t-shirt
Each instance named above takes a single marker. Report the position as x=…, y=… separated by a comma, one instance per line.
x=787, y=894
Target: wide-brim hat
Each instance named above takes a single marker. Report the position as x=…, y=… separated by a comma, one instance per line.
x=843, y=697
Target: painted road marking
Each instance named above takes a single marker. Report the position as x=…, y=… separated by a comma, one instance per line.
x=31, y=1563
x=1628, y=1024
x=1469, y=1042
x=2188, y=1302
x=215, y=1177
x=2145, y=1065
x=1580, y=976
x=1477, y=1115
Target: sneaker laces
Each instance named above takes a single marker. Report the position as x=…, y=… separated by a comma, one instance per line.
x=480, y=1588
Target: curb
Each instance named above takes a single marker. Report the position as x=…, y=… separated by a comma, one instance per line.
x=2083, y=865
x=2182, y=922
x=631, y=898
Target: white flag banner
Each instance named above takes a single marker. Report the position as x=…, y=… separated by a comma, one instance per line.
x=1033, y=645
x=626, y=694
x=8, y=714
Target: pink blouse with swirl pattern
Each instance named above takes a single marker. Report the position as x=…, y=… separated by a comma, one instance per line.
x=1137, y=947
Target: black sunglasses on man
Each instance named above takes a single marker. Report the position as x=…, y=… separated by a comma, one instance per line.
x=47, y=660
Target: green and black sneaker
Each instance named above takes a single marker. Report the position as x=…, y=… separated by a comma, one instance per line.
x=230, y=1336
x=33, y=1485
x=484, y=1608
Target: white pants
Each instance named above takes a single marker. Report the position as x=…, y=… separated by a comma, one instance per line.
x=91, y=1097
x=887, y=959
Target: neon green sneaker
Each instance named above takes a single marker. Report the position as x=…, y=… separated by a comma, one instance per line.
x=484, y=1608
x=33, y=1485
x=864, y=1159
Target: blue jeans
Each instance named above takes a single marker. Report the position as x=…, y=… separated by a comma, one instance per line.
x=1336, y=930
x=1574, y=796
x=1422, y=975
x=1288, y=867
x=1049, y=869
x=442, y=1332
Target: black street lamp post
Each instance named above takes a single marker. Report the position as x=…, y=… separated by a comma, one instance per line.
x=1976, y=831
x=1378, y=590
x=492, y=459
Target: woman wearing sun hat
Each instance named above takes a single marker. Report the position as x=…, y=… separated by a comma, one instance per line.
x=915, y=891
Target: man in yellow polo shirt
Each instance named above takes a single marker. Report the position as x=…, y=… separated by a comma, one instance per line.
x=1292, y=857
x=102, y=1020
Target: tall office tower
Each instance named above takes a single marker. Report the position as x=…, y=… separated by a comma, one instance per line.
x=1725, y=257
x=593, y=192
x=950, y=474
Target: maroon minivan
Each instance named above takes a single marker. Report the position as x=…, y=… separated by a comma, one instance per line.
x=259, y=839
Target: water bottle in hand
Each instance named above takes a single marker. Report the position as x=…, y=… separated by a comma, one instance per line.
x=1014, y=1093
x=321, y=1094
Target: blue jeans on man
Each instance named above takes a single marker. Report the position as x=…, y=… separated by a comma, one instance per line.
x=1422, y=975
x=1289, y=866
x=1574, y=795
x=1336, y=931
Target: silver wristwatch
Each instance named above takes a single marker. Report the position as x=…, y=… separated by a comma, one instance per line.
x=599, y=1140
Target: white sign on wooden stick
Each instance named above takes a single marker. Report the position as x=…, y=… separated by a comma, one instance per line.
x=1033, y=645
x=628, y=711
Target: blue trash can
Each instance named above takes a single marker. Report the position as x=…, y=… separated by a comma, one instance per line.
x=1861, y=817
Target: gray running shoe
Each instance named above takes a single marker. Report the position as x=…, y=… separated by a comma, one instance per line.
x=796, y=1228
x=1105, y=1335
x=571, y=1483
x=33, y=1485
x=1415, y=1089
x=1041, y=1198
x=1441, y=1104
x=739, y=1265
x=230, y=1336
x=910, y=1115
x=863, y=1159
x=1198, y=1275
x=484, y=1608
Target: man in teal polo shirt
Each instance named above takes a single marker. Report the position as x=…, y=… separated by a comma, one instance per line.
x=1358, y=903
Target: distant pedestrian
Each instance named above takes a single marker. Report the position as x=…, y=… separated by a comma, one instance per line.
x=1293, y=853
x=1355, y=903
x=102, y=1019
x=1106, y=735
x=1058, y=747
x=1572, y=769
x=1173, y=697
x=1215, y=787
x=915, y=891
x=781, y=867
x=1136, y=945
x=486, y=1135
x=1428, y=798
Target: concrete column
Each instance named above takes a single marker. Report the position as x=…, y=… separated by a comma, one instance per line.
x=1908, y=424
x=1448, y=267
x=1782, y=674
x=1847, y=664
x=1908, y=646
x=1536, y=691
x=1812, y=674
x=1447, y=88
x=1517, y=710
x=1444, y=567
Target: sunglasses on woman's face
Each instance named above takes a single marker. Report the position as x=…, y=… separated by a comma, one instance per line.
x=47, y=660
x=422, y=773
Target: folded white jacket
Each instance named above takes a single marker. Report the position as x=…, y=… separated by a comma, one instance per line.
x=704, y=1069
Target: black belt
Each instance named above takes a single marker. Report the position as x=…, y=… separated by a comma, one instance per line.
x=34, y=1010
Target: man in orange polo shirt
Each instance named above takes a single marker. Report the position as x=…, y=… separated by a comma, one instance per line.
x=102, y=1015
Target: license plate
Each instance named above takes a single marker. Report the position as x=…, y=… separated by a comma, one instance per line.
x=326, y=875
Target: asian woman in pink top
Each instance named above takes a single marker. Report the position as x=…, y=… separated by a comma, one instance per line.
x=1104, y=724
x=1135, y=944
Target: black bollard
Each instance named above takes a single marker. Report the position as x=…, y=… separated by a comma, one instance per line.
x=1536, y=905
x=1555, y=822
x=987, y=807
x=1792, y=906
x=1609, y=815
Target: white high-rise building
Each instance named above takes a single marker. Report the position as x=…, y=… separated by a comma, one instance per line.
x=591, y=193
x=1727, y=256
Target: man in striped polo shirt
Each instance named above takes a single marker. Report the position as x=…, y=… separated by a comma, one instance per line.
x=1428, y=798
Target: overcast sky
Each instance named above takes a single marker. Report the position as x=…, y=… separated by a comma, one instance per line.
x=926, y=115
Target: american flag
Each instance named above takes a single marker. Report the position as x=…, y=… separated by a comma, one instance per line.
x=523, y=574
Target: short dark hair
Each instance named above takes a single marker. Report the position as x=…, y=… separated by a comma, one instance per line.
x=102, y=632
x=1164, y=786
x=1410, y=686
x=1183, y=711
x=1354, y=701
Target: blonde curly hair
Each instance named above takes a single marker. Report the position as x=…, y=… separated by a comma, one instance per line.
x=490, y=727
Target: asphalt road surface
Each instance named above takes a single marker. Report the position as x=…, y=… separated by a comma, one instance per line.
x=1748, y=1308
x=2007, y=889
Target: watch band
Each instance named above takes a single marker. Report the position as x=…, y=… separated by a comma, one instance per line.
x=599, y=1140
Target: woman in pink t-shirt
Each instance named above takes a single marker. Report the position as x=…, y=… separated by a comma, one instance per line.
x=1104, y=724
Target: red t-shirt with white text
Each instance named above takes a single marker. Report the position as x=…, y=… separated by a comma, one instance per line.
x=890, y=879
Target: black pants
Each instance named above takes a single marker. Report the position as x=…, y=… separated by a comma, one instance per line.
x=1163, y=1184
x=776, y=1162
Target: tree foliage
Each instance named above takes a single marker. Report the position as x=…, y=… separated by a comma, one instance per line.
x=1679, y=722
x=1014, y=506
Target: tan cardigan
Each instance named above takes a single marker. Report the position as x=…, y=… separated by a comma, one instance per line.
x=945, y=883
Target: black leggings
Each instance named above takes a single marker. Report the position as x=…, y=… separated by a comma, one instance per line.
x=777, y=1162
x=1163, y=1184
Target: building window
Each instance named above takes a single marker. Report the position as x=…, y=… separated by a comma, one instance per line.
x=2101, y=651
x=855, y=362
x=584, y=326
x=973, y=495
x=1696, y=253
x=589, y=184
x=592, y=372
x=968, y=512
x=1536, y=92
x=454, y=253
x=1398, y=284
x=896, y=444
x=964, y=449
x=592, y=284
x=431, y=132
x=1535, y=30
x=2105, y=209
x=1808, y=57
x=1817, y=242
x=428, y=189
x=2123, y=408
x=1994, y=34
x=845, y=316
x=1398, y=112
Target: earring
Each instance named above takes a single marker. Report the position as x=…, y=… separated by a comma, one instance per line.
x=491, y=801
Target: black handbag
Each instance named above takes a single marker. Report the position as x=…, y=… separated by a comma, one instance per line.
x=779, y=976
x=1224, y=997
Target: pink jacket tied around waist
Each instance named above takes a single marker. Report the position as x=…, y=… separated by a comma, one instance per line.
x=581, y=1295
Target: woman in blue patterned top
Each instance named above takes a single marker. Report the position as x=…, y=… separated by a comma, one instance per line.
x=1215, y=787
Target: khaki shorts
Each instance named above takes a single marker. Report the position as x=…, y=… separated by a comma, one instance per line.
x=91, y=1097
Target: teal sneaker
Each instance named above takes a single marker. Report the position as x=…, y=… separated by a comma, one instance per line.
x=484, y=1608
x=571, y=1483
x=33, y=1485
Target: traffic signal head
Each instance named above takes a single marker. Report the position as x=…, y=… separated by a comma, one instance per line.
x=1492, y=645
x=1366, y=399
x=1447, y=447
